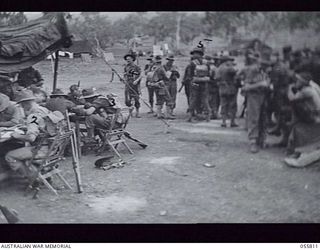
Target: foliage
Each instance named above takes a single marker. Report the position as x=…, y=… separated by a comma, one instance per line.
x=90, y=25
x=12, y=18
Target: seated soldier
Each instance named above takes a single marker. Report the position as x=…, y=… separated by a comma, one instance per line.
x=75, y=95
x=38, y=120
x=40, y=95
x=6, y=86
x=10, y=116
x=9, y=113
x=58, y=102
x=97, y=111
x=304, y=96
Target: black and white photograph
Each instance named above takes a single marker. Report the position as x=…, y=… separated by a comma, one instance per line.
x=162, y=117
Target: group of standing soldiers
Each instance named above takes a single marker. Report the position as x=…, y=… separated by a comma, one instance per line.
x=161, y=81
x=212, y=84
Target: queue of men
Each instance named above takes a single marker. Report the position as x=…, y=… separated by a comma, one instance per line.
x=281, y=94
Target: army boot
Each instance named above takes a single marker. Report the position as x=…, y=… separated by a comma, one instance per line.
x=253, y=146
x=151, y=109
x=159, y=111
x=137, y=113
x=233, y=124
x=168, y=113
x=224, y=121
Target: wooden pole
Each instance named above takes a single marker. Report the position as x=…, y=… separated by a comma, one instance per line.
x=55, y=73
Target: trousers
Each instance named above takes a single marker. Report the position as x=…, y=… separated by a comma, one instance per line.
x=228, y=105
x=199, y=96
x=97, y=121
x=16, y=158
x=151, y=93
x=214, y=99
x=256, y=116
x=163, y=97
x=173, y=89
x=132, y=94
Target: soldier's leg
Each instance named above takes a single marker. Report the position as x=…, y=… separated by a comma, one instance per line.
x=254, y=104
x=96, y=121
x=159, y=102
x=16, y=159
x=174, y=91
x=205, y=101
x=187, y=92
x=151, y=98
x=263, y=123
x=168, y=102
x=224, y=110
x=233, y=109
x=136, y=99
x=215, y=103
x=194, y=90
x=127, y=97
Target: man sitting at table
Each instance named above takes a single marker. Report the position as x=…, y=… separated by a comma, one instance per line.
x=75, y=95
x=97, y=111
x=9, y=113
x=10, y=116
x=38, y=120
x=58, y=102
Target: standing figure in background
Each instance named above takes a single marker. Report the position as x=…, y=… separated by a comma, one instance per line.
x=159, y=81
x=173, y=75
x=214, y=99
x=255, y=89
x=228, y=90
x=132, y=76
x=311, y=65
x=280, y=79
x=30, y=76
x=186, y=83
x=151, y=90
x=199, y=72
x=286, y=52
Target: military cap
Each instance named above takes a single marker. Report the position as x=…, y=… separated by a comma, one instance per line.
x=130, y=55
x=170, y=58
x=58, y=92
x=197, y=50
x=297, y=53
x=89, y=93
x=103, y=161
x=73, y=87
x=287, y=49
x=158, y=59
x=24, y=95
x=226, y=58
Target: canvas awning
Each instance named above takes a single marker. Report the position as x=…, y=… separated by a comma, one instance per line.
x=24, y=45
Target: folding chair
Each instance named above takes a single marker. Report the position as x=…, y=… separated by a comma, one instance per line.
x=47, y=166
x=116, y=134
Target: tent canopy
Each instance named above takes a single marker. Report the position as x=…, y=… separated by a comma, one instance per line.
x=24, y=45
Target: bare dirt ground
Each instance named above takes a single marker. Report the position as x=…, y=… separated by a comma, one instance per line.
x=168, y=182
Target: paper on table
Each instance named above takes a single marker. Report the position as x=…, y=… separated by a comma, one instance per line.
x=7, y=133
